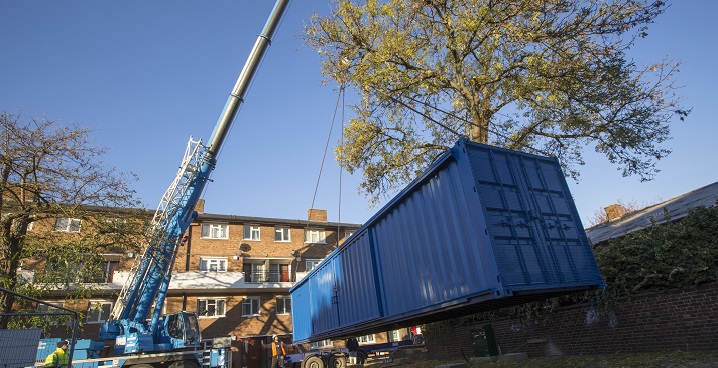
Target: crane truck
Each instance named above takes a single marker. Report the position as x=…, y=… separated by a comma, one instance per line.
x=143, y=337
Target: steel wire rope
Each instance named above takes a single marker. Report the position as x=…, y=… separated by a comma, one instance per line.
x=454, y=116
x=340, y=95
x=341, y=166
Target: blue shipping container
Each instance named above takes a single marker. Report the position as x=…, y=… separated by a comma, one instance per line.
x=483, y=228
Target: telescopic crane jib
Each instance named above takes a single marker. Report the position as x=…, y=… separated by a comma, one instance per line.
x=146, y=287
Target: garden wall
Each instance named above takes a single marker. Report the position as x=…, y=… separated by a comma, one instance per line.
x=673, y=320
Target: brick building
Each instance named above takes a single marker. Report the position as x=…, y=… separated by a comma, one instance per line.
x=235, y=272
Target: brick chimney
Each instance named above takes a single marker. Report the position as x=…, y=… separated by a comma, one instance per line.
x=317, y=215
x=614, y=212
x=199, y=207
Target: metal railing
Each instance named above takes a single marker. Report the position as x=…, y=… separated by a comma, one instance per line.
x=264, y=277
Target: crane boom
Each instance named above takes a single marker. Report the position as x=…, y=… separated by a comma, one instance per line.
x=149, y=278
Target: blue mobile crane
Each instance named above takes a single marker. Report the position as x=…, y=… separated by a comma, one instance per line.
x=143, y=337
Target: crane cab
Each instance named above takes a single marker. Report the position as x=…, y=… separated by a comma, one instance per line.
x=179, y=330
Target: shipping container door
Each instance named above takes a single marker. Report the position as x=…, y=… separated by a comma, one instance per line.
x=525, y=199
x=509, y=218
x=558, y=225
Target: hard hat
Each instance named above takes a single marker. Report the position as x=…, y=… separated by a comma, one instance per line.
x=273, y=336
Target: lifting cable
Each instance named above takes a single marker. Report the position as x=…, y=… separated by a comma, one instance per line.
x=340, y=97
x=388, y=95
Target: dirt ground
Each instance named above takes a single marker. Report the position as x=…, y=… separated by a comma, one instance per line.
x=673, y=359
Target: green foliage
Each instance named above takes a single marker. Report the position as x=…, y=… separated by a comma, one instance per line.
x=671, y=255
x=553, y=75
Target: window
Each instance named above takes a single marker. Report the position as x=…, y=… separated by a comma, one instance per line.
x=254, y=273
x=322, y=344
x=98, y=311
x=44, y=308
x=68, y=225
x=105, y=272
x=281, y=234
x=284, y=305
x=348, y=233
x=250, y=306
x=394, y=335
x=312, y=263
x=49, y=309
x=278, y=272
x=251, y=232
x=60, y=269
x=215, y=231
x=211, y=264
x=211, y=307
x=366, y=338
x=315, y=236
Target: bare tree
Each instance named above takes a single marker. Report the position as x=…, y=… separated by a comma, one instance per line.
x=620, y=208
x=52, y=176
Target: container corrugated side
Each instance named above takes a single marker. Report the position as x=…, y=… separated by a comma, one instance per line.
x=479, y=226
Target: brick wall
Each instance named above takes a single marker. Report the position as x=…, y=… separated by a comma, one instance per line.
x=680, y=319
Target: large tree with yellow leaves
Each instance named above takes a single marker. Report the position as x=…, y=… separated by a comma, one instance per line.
x=548, y=76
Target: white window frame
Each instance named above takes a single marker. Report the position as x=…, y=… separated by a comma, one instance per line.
x=215, y=230
x=284, y=302
x=100, y=318
x=65, y=225
x=205, y=264
x=394, y=336
x=315, y=236
x=220, y=307
x=280, y=230
x=251, y=300
x=322, y=344
x=313, y=262
x=254, y=230
x=366, y=339
x=348, y=233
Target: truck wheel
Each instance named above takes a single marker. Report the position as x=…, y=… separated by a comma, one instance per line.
x=314, y=362
x=337, y=361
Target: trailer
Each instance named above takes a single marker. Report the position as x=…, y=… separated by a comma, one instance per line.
x=338, y=357
x=482, y=228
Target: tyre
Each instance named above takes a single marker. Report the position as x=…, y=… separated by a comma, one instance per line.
x=337, y=361
x=314, y=362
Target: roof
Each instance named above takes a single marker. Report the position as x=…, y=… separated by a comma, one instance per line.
x=676, y=208
x=272, y=221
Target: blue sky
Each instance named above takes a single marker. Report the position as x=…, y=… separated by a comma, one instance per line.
x=147, y=75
